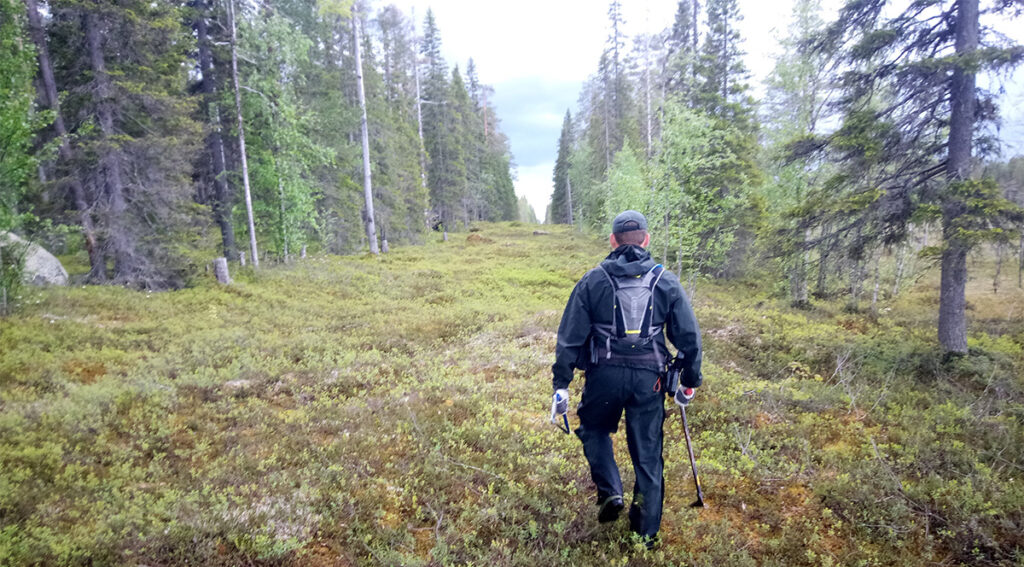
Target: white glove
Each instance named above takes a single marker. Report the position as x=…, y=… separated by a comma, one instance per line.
x=684, y=396
x=559, y=403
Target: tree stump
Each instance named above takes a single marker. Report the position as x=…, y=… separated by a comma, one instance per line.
x=220, y=269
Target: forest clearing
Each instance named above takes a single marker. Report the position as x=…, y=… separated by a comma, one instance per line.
x=274, y=287
x=392, y=410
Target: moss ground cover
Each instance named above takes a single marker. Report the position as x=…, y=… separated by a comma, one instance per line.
x=365, y=411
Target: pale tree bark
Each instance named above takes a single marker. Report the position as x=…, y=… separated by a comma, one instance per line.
x=568, y=195
x=220, y=270
x=253, y=253
x=963, y=101
x=371, y=230
x=901, y=263
x=878, y=283
x=97, y=267
x=419, y=107
x=1020, y=262
x=1000, y=256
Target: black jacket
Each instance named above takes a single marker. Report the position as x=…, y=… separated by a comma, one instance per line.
x=591, y=304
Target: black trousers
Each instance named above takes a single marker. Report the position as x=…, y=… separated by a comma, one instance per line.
x=608, y=391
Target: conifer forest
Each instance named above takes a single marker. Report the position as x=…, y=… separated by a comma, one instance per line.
x=272, y=292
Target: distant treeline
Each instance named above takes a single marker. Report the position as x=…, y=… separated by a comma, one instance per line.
x=123, y=137
x=873, y=140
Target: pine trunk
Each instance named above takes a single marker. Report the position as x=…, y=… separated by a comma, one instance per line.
x=97, y=267
x=371, y=231
x=952, y=294
x=241, y=135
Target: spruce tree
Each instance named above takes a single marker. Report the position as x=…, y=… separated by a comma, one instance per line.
x=913, y=117
x=136, y=159
x=560, y=198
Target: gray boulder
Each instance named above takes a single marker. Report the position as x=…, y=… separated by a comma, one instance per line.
x=41, y=267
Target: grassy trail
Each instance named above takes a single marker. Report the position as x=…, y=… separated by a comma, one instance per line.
x=392, y=411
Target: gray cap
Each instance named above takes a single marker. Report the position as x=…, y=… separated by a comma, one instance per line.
x=628, y=221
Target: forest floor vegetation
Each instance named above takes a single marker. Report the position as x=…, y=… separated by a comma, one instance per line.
x=392, y=411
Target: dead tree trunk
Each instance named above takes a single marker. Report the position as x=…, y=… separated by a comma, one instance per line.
x=1020, y=262
x=419, y=109
x=97, y=267
x=220, y=269
x=878, y=283
x=1000, y=256
x=241, y=135
x=568, y=196
x=371, y=230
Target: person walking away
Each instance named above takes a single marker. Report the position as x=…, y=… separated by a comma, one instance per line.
x=614, y=328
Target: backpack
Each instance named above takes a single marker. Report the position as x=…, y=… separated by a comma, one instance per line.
x=632, y=319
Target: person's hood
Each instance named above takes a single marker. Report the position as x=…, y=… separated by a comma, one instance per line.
x=628, y=260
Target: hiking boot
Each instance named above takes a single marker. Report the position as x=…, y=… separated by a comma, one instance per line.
x=610, y=509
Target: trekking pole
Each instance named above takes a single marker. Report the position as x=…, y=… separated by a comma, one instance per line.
x=699, y=503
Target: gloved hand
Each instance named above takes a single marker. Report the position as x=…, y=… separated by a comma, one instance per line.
x=684, y=396
x=560, y=407
x=559, y=403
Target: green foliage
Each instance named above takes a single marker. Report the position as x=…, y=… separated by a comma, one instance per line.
x=701, y=178
x=282, y=152
x=18, y=119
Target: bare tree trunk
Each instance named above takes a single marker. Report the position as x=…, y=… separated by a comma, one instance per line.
x=97, y=267
x=241, y=135
x=647, y=90
x=878, y=282
x=419, y=108
x=607, y=138
x=901, y=263
x=821, y=289
x=220, y=270
x=284, y=228
x=798, y=277
x=1000, y=256
x=568, y=196
x=371, y=230
x=110, y=160
x=214, y=141
x=952, y=294
x=1020, y=262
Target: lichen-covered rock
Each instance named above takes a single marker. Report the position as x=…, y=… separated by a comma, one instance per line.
x=41, y=267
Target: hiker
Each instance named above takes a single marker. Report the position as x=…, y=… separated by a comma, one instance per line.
x=625, y=360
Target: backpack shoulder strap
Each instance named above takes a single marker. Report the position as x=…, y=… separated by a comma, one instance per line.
x=615, y=299
x=654, y=274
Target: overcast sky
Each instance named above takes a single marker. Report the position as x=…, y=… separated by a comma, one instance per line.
x=537, y=54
